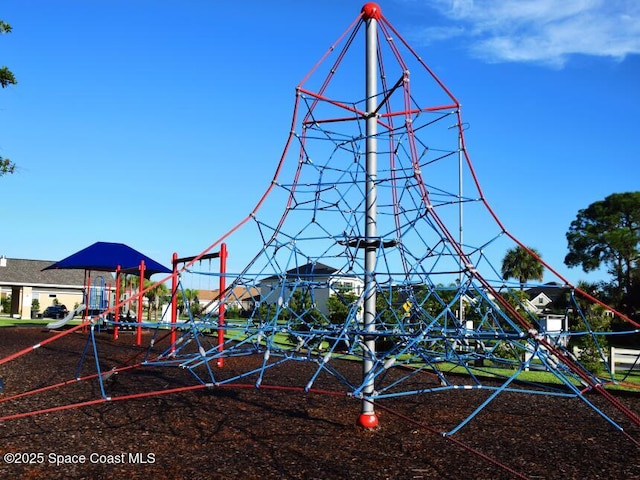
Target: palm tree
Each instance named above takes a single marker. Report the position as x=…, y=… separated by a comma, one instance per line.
x=128, y=289
x=520, y=264
x=156, y=297
x=189, y=297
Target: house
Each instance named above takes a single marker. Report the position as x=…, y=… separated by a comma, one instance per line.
x=322, y=280
x=549, y=302
x=546, y=297
x=240, y=298
x=25, y=281
x=207, y=299
x=64, y=282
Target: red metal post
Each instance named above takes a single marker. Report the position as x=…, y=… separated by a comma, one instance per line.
x=140, y=297
x=174, y=301
x=222, y=305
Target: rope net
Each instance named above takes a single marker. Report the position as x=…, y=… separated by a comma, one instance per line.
x=442, y=306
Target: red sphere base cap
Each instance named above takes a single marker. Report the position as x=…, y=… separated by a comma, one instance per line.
x=368, y=420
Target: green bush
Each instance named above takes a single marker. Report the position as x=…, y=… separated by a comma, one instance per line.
x=6, y=304
x=591, y=347
x=232, y=312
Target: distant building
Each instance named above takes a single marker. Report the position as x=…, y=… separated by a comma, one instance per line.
x=322, y=279
x=241, y=298
x=549, y=302
x=24, y=281
x=549, y=297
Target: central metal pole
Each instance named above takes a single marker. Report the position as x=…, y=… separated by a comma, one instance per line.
x=461, y=226
x=368, y=417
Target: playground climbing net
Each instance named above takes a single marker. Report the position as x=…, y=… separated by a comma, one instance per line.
x=384, y=172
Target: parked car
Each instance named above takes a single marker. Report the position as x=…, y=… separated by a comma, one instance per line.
x=55, y=311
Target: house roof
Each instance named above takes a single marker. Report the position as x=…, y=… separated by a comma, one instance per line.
x=238, y=294
x=242, y=293
x=107, y=257
x=311, y=269
x=552, y=290
x=207, y=295
x=30, y=273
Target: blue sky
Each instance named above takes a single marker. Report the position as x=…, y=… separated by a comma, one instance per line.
x=159, y=123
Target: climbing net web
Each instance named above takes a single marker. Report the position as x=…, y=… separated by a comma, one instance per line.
x=442, y=307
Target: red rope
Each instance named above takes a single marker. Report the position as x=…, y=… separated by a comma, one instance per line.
x=102, y=400
x=44, y=342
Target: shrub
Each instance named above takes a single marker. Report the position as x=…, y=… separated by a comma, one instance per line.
x=592, y=347
x=6, y=304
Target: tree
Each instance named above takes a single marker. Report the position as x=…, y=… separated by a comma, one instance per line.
x=607, y=233
x=6, y=78
x=303, y=317
x=518, y=263
x=302, y=308
x=156, y=297
x=340, y=305
x=5, y=304
x=585, y=322
x=6, y=166
x=189, y=298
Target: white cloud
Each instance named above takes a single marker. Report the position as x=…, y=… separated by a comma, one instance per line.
x=437, y=34
x=540, y=31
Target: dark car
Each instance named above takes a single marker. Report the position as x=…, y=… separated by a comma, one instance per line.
x=55, y=311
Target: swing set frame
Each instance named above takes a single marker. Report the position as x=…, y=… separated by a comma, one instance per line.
x=176, y=262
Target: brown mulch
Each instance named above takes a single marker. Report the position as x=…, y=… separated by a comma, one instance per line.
x=247, y=433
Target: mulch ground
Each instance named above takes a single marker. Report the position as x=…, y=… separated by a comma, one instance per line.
x=247, y=433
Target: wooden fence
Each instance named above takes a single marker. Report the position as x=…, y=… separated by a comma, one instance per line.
x=625, y=359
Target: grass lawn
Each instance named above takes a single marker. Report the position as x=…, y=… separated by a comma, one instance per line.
x=283, y=340
x=16, y=322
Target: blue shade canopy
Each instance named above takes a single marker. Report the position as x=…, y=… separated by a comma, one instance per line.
x=106, y=256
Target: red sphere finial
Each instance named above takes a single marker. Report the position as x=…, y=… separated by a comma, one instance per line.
x=371, y=10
